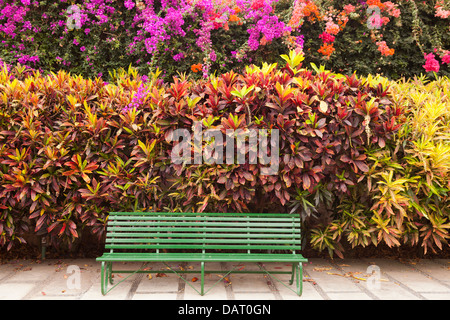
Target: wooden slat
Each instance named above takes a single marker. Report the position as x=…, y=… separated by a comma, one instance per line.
x=202, y=235
x=201, y=247
x=197, y=218
x=206, y=241
x=238, y=257
x=200, y=224
x=199, y=214
x=203, y=229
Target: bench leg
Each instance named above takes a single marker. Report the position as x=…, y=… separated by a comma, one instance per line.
x=104, y=278
x=202, y=289
x=294, y=268
x=299, y=277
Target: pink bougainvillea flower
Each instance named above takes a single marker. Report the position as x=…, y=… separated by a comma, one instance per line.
x=446, y=58
x=431, y=63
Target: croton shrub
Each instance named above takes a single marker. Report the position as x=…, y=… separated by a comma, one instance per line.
x=405, y=199
x=73, y=149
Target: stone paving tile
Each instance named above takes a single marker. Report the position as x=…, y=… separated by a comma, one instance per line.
x=328, y=278
x=14, y=291
x=309, y=292
x=349, y=279
x=384, y=289
x=409, y=279
x=433, y=268
x=249, y=283
x=348, y=296
x=254, y=296
x=217, y=292
x=436, y=296
x=155, y=296
x=121, y=292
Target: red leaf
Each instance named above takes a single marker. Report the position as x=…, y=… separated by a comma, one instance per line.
x=362, y=166
x=306, y=181
x=52, y=226
x=62, y=229
x=40, y=222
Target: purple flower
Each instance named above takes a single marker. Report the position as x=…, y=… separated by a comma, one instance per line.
x=83, y=48
x=129, y=4
x=213, y=56
x=138, y=98
x=178, y=56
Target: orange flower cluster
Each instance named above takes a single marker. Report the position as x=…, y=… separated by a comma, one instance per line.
x=196, y=67
x=311, y=11
x=342, y=20
x=302, y=9
x=326, y=49
x=235, y=18
x=384, y=49
x=377, y=3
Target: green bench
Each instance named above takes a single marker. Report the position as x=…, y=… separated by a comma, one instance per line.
x=202, y=237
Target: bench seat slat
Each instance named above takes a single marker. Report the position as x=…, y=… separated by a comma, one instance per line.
x=171, y=214
x=192, y=257
x=198, y=257
x=115, y=234
x=202, y=229
x=204, y=218
x=200, y=224
x=218, y=241
x=203, y=247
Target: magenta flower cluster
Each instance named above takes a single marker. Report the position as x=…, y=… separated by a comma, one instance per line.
x=147, y=25
x=432, y=64
x=138, y=98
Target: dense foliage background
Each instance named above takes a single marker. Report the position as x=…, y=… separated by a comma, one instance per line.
x=200, y=37
x=362, y=160
x=91, y=91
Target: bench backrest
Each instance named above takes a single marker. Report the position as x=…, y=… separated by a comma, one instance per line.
x=205, y=232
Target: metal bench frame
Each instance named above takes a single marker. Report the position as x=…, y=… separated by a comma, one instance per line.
x=197, y=237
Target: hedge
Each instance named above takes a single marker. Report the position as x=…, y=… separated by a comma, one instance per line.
x=350, y=152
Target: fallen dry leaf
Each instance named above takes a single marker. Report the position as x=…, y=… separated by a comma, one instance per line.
x=310, y=280
x=161, y=275
x=320, y=269
x=194, y=279
x=149, y=276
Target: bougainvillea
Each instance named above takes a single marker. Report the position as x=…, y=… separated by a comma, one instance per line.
x=93, y=37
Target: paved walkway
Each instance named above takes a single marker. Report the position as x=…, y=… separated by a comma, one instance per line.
x=362, y=279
